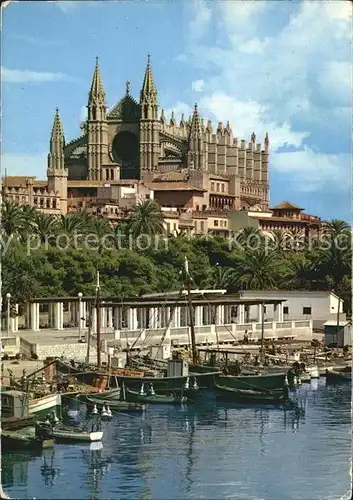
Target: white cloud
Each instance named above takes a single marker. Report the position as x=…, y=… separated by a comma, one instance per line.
x=179, y=108
x=250, y=116
x=25, y=76
x=310, y=170
x=24, y=164
x=197, y=85
x=201, y=18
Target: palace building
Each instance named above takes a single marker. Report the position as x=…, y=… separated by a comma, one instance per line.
x=131, y=152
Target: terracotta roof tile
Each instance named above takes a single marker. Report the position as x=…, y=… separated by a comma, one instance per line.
x=286, y=205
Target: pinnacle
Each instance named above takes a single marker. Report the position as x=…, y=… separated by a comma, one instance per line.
x=97, y=89
x=57, y=130
x=148, y=87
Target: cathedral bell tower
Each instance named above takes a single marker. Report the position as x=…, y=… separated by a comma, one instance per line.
x=149, y=125
x=56, y=171
x=97, y=129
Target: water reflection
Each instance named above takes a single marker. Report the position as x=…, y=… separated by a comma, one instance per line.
x=48, y=470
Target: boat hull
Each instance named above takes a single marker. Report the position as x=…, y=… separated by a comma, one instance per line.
x=119, y=406
x=249, y=396
x=339, y=375
x=73, y=436
x=154, y=399
x=45, y=404
x=164, y=385
x=267, y=381
x=24, y=439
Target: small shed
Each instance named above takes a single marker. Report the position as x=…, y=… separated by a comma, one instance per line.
x=340, y=336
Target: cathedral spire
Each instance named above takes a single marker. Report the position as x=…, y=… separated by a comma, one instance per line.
x=57, y=135
x=148, y=91
x=195, y=127
x=97, y=92
x=56, y=149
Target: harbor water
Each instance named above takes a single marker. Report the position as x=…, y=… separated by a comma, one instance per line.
x=205, y=450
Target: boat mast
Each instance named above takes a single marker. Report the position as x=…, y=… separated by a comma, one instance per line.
x=98, y=322
x=191, y=312
x=262, y=351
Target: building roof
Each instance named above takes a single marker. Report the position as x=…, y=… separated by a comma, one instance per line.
x=287, y=205
x=85, y=184
x=18, y=180
x=174, y=186
x=334, y=323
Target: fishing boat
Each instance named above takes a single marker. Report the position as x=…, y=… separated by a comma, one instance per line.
x=75, y=434
x=251, y=396
x=270, y=381
x=153, y=398
x=339, y=374
x=25, y=438
x=42, y=404
x=113, y=394
x=114, y=405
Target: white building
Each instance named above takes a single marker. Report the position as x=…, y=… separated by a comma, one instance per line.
x=317, y=306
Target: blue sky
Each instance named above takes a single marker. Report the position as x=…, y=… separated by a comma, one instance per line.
x=276, y=66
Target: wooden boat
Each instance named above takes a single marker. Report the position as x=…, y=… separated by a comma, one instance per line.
x=74, y=434
x=14, y=424
x=339, y=374
x=113, y=394
x=268, y=381
x=24, y=438
x=44, y=403
x=114, y=405
x=250, y=396
x=166, y=385
x=154, y=398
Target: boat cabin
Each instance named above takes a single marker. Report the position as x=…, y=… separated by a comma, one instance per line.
x=14, y=404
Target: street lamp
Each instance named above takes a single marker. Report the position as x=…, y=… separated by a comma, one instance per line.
x=79, y=315
x=8, y=298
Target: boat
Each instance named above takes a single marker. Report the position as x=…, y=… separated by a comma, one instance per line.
x=25, y=438
x=119, y=406
x=251, y=396
x=153, y=398
x=75, y=434
x=43, y=404
x=270, y=381
x=339, y=374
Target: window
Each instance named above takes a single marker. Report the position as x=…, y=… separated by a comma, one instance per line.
x=175, y=227
x=202, y=226
x=215, y=223
x=212, y=186
x=147, y=196
x=204, y=208
x=222, y=186
x=107, y=175
x=306, y=310
x=111, y=174
x=35, y=201
x=48, y=203
x=197, y=208
x=42, y=202
x=168, y=227
x=285, y=310
x=217, y=186
x=54, y=203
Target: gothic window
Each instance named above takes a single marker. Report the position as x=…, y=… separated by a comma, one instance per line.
x=94, y=114
x=222, y=188
x=217, y=187
x=35, y=201
x=48, y=202
x=112, y=174
x=54, y=203
x=107, y=175
x=42, y=202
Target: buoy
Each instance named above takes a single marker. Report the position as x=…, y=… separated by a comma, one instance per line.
x=55, y=418
x=187, y=385
x=299, y=380
x=295, y=380
x=109, y=411
x=195, y=386
x=152, y=390
x=285, y=380
x=104, y=412
x=142, y=390
x=95, y=411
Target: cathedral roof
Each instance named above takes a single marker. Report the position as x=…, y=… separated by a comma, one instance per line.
x=127, y=109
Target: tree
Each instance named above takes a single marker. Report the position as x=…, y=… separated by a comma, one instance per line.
x=258, y=270
x=146, y=219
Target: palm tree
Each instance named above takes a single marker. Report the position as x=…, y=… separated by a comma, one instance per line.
x=69, y=225
x=44, y=226
x=258, y=270
x=220, y=278
x=249, y=238
x=12, y=218
x=146, y=219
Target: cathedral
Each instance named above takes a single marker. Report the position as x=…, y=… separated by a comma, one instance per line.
x=131, y=152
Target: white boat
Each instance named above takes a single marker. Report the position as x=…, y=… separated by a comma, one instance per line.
x=45, y=403
x=314, y=371
x=62, y=433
